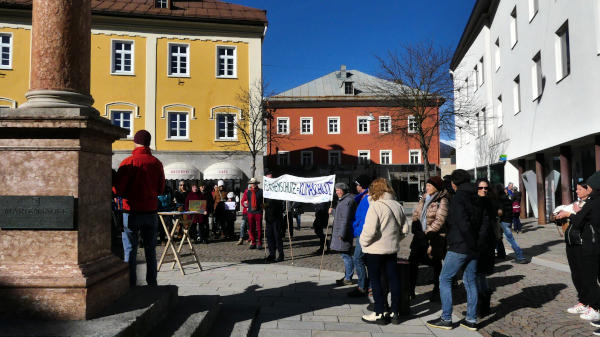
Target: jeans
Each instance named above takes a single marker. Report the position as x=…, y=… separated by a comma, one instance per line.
x=133, y=223
x=517, y=222
x=348, y=265
x=243, y=226
x=388, y=264
x=298, y=220
x=510, y=238
x=452, y=264
x=359, y=265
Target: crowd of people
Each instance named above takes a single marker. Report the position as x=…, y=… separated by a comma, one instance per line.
x=457, y=227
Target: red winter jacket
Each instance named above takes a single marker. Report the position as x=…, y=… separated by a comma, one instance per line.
x=140, y=180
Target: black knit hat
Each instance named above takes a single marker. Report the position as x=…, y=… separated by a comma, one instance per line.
x=363, y=181
x=437, y=182
x=594, y=181
x=142, y=137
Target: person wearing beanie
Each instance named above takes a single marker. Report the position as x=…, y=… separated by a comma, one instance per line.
x=219, y=196
x=362, y=183
x=342, y=232
x=462, y=252
x=428, y=246
x=140, y=180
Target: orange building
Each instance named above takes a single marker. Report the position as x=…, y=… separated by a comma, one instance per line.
x=333, y=124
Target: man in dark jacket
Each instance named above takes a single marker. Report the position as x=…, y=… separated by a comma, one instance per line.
x=462, y=252
x=274, y=226
x=140, y=180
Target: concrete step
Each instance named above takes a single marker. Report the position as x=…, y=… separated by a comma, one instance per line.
x=193, y=316
x=235, y=320
x=137, y=313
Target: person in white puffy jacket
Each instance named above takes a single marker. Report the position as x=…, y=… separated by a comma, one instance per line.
x=385, y=226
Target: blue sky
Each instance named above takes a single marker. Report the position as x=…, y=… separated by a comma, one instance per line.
x=307, y=39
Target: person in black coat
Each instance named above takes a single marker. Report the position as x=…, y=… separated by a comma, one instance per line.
x=463, y=235
x=485, y=214
x=583, y=252
x=274, y=226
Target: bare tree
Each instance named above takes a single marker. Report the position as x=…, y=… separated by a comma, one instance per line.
x=418, y=86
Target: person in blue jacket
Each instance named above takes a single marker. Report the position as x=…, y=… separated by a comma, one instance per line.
x=362, y=200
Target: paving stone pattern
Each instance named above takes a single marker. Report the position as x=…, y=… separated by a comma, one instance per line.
x=529, y=300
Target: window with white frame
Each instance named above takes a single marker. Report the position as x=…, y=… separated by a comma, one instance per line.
x=306, y=125
x=179, y=56
x=306, y=158
x=385, y=157
x=385, y=124
x=5, y=51
x=414, y=156
x=364, y=157
x=333, y=125
x=514, y=37
x=334, y=157
x=534, y=7
x=499, y=113
x=226, y=129
x=536, y=76
x=283, y=158
x=562, y=52
x=412, y=124
x=497, y=54
x=178, y=125
x=348, y=88
x=226, y=61
x=516, y=95
x=481, y=122
x=283, y=125
x=122, y=119
x=162, y=3
x=481, y=74
x=122, y=57
x=362, y=125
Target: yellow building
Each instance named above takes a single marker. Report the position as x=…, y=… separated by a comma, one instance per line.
x=174, y=68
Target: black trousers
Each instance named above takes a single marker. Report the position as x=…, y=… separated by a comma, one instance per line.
x=418, y=256
x=387, y=263
x=275, y=237
x=319, y=225
x=584, y=263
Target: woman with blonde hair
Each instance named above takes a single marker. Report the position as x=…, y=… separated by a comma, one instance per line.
x=385, y=225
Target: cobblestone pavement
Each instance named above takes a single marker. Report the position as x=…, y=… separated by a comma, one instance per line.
x=529, y=300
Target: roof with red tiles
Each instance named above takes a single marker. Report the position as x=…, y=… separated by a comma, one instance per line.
x=193, y=10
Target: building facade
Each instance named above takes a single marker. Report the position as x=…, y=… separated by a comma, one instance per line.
x=174, y=68
x=532, y=66
x=333, y=124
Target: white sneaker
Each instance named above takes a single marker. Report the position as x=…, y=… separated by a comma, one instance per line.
x=373, y=318
x=590, y=315
x=578, y=308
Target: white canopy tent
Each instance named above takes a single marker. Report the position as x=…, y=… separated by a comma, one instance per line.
x=181, y=171
x=223, y=170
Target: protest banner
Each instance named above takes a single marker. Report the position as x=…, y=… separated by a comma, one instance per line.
x=291, y=188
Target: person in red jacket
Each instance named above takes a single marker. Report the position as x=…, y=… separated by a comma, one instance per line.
x=199, y=222
x=139, y=181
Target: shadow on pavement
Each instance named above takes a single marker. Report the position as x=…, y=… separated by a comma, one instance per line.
x=540, y=249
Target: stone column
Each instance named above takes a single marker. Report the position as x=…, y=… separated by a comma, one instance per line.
x=60, y=54
x=565, y=175
x=539, y=177
x=597, y=152
x=521, y=167
x=57, y=147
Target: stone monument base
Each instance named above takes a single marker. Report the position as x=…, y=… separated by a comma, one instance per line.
x=67, y=273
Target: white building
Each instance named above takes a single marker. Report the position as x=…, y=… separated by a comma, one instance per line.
x=532, y=67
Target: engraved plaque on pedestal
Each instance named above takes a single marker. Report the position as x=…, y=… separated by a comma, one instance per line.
x=37, y=212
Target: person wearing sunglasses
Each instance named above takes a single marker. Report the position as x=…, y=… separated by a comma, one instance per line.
x=506, y=218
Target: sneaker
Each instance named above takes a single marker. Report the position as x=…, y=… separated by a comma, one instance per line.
x=440, y=323
x=259, y=247
x=240, y=241
x=595, y=324
x=597, y=332
x=522, y=261
x=578, y=308
x=468, y=325
x=357, y=293
x=395, y=318
x=343, y=282
x=252, y=247
x=374, y=318
x=590, y=315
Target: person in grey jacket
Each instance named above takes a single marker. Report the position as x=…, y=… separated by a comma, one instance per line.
x=343, y=234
